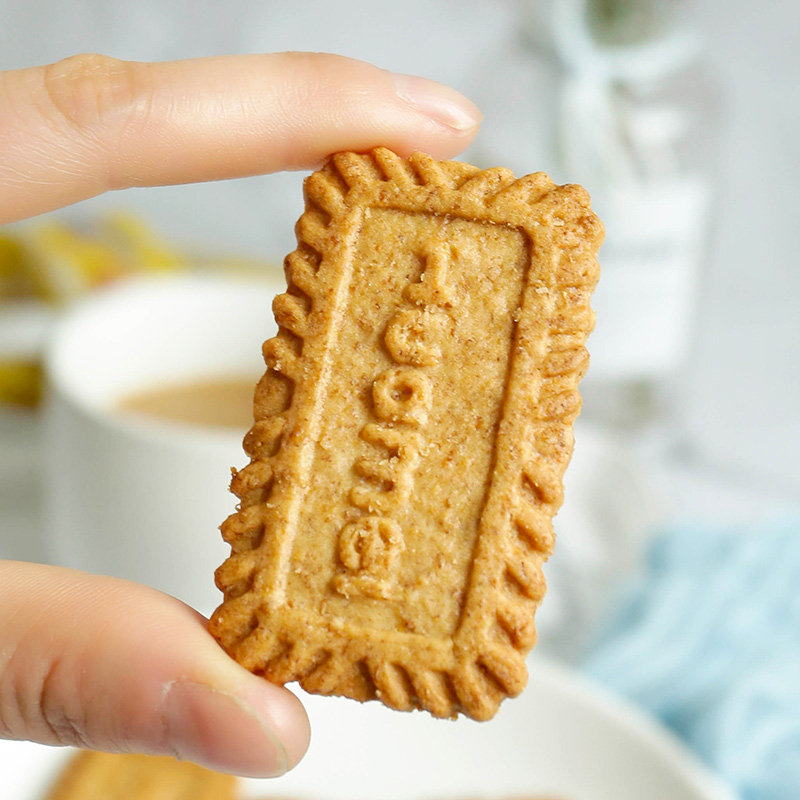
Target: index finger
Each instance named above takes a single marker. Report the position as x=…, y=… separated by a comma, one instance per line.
x=82, y=126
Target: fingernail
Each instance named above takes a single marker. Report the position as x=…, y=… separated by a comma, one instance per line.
x=221, y=731
x=437, y=101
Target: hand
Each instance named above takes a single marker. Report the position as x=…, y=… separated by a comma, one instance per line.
x=100, y=662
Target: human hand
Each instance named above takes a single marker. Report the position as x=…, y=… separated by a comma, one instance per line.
x=100, y=662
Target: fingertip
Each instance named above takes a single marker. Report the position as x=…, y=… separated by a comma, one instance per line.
x=288, y=716
x=438, y=102
x=258, y=731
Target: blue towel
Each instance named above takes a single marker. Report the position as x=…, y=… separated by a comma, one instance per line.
x=709, y=641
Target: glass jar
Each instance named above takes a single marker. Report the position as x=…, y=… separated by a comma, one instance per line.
x=614, y=95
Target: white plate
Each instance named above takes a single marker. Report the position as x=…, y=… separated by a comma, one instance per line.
x=562, y=738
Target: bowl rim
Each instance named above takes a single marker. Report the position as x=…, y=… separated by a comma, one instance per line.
x=622, y=713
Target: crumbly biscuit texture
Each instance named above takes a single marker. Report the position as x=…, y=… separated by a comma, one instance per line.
x=411, y=434
x=107, y=776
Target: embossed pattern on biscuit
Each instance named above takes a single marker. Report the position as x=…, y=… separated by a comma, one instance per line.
x=411, y=434
x=111, y=776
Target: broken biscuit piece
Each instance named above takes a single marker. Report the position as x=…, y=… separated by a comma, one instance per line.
x=411, y=433
x=91, y=775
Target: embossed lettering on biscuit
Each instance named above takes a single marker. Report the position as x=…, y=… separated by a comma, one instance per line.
x=403, y=395
x=433, y=288
x=390, y=471
x=413, y=337
x=368, y=549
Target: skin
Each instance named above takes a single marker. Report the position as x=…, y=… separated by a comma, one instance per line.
x=104, y=663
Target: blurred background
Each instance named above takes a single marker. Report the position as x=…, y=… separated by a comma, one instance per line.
x=681, y=118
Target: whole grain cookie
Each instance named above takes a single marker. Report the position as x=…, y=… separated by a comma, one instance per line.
x=411, y=433
x=107, y=776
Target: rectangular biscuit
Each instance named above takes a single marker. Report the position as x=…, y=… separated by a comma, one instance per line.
x=411, y=434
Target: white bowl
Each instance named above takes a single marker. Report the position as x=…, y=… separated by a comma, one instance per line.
x=562, y=738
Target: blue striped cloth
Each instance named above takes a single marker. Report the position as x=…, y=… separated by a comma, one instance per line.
x=709, y=641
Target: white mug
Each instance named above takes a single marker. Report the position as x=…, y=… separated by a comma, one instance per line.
x=136, y=498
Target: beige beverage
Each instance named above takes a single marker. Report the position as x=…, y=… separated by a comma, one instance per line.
x=221, y=402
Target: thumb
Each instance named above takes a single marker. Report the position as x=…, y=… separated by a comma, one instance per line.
x=103, y=663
